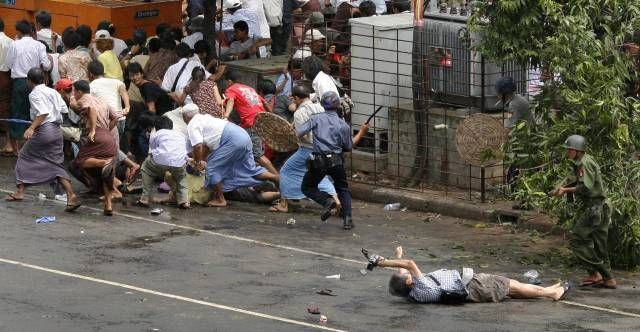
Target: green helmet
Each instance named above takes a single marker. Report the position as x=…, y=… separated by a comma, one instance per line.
x=576, y=142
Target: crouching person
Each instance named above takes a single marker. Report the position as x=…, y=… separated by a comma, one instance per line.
x=448, y=286
x=167, y=153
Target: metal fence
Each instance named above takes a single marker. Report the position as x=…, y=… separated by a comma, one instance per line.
x=420, y=83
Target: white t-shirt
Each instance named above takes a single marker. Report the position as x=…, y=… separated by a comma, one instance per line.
x=321, y=84
x=108, y=90
x=207, y=130
x=46, y=35
x=258, y=8
x=45, y=100
x=192, y=39
x=172, y=73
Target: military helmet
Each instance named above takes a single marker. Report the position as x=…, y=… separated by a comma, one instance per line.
x=576, y=142
x=505, y=85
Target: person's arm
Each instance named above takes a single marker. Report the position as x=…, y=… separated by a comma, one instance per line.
x=363, y=131
x=125, y=99
x=304, y=128
x=282, y=83
x=93, y=119
x=406, y=264
x=398, y=253
x=34, y=125
x=46, y=61
x=216, y=96
x=228, y=108
x=218, y=74
x=151, y=106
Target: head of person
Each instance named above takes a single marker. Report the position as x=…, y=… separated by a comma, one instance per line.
x=232, y=5
x=232, y=76
x=104, y=42
x=576, y=146
x=139, y=37
x=300, y=93
x=240, y=31
x=266, y=87
x=195, y=24
x=177, y=34
x=146, y=121
x=312, y=66
x=315, y=40
x=315, y=20
x=81, y=88
x=400, y=284
x=505, y=87
x=35, y=76
x=136, y=74
x=367, y=8
x=202, y=49
x=43, y=20
x=197, y=77
x=96, y=69
x=189, y=111
x=64, y=87
x=167, y=42
x=342, y=43
x=295, y=69
x=106, y=25
x=400, y=6
x=70, y=39
x=85, y=33
x=163, y=122
x=1, y=25
x=162, y=28
x=23, y=28
x=154, y=45
x=183, y=50
x=330, y=101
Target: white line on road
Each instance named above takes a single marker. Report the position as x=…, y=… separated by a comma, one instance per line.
x=167, y=295
x=310, y=252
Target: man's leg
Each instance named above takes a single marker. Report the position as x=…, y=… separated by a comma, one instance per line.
x=582, y=244
x=218, y=197
x=179, y=175
x=310, y=183
x=600, y=236
x=150, y=170
x=518, y=290
x=339, y=177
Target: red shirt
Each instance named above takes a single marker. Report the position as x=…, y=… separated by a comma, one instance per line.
x=247, y=103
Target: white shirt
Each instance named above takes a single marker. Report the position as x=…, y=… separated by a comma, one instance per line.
x=4, y=47
x=258, y=7
x=207, y=130
x=118, y=46
x=108, y=90
x=24, y=54
x=381, y=6
x=44, y=100
x=302, y=115
x=242, y=14
x=321, y=84
x=55, y=73
x=302, y=53
x=178, y=121
x=172, y=73
x=192, y=39
x=45, y=35
x=168, y=148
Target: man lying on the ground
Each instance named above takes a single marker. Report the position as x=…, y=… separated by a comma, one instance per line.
x=447, y=286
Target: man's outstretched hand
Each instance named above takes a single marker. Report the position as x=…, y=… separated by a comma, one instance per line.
x=374, y=259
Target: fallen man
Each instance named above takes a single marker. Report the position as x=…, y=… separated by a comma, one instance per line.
x=447, y=286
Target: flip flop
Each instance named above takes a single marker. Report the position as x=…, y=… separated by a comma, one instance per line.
x=567, y=288
x=325, y=291
x=315, y=310
x=71, y=208
x=12, y=198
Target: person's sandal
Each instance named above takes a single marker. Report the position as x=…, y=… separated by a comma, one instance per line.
x=72, y=207
x=108, y=213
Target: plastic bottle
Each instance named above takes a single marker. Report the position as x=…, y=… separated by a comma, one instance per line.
x=392, y=207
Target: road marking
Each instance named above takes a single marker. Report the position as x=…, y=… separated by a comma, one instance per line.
x=305, y=251
x=167, y=295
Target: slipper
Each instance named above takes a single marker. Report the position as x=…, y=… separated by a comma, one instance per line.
x=325, y=291
x=72, y=207
x=142, y=204
x=567, y=288
x=313, y=310
x=12, y=198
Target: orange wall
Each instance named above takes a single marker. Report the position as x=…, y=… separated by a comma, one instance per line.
x=73, y=13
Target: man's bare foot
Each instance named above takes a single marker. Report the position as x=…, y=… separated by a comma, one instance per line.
x=217, y=203
x=282, y=206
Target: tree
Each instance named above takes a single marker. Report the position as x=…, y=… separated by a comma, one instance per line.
x=578, y=43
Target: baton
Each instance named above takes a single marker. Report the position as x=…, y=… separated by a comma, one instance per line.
x=16, y=121
x=374, y=114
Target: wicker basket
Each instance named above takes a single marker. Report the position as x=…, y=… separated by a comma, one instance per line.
x=276, y=132
x=480, y=139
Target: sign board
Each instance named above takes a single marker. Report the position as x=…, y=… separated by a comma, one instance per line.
x=139, y=14
x=8, y=2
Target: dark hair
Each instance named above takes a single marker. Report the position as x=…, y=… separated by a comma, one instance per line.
x=176, y=33
x=163, y=122
x=161, y=28
x=401, y=5
x=24, y=27
x=43, y=18
x=134, y=68
x=233, y=75
x=398, y=285
x=505, y=85
x=266, y=87
x=202, y=46
x=295, y=64
x=241, y=25
x=300, y=91
x=1, y=25
x=106, y=25
x=311, y=66
x=36, y=76
x=154, y=45
x=342, y=43
x=139, y=37
x=146, y=120
x=84, y=32
x=183, y=50
x=82, y=86
x=367, y=8
x=167, y=42
x=96, y=68
x=70, y=38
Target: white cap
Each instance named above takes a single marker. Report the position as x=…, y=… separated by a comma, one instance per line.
x=103, y=34
x=313, y=35
x=227, y=4
x=190, y=109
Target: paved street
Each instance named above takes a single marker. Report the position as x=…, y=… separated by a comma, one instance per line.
x=244, y=269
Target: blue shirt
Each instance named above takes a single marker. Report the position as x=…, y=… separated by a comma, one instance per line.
x=425, y=289
x=330, y=133
x=168, y=148
x=286, y=91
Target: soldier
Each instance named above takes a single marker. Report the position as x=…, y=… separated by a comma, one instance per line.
x=590, y=232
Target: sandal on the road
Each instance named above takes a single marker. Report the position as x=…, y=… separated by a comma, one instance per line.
x=567, y=288
x=72, y=207
x=12, y=198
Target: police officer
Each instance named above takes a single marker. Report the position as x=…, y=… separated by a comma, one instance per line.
x=331, y=137
x=589, y=234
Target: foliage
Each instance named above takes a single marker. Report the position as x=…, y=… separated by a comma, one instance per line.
x=579, y=41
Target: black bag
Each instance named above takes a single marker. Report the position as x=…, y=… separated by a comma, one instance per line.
x=452, y=296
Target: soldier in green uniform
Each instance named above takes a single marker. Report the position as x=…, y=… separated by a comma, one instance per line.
x=590, y=232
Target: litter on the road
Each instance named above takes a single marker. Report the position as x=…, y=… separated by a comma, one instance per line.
x=363, y=272
x=533, y=277
x=323, y=319
x=325, y=291
x=45, y=219
x=393, y=207
x=335, y=276
x=156, y=211
x=314, y=310
x=42, y=196
x=291, y=221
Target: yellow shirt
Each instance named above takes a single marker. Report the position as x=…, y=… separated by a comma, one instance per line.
x=112, y=68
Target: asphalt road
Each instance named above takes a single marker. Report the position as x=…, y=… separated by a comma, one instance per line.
x=244, y=269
